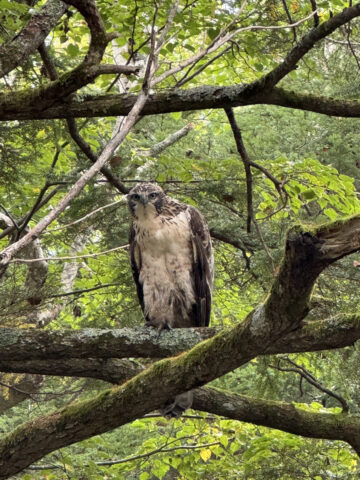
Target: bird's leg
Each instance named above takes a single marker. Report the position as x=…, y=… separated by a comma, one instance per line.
x=159, y=324
x=162, y=327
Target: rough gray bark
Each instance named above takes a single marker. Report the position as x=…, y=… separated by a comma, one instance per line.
x=29, y=351
x=16, y=52
x=198, y=98
x=47, y=102
x=280, y=415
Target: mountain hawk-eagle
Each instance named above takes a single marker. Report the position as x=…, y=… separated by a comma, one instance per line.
x=171, y=258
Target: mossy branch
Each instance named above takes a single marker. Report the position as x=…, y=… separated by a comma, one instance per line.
x=280, y=415
x=307, y=253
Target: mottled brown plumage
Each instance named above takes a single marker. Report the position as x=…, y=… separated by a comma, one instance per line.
x=171, y=259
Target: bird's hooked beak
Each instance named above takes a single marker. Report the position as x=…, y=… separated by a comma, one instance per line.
x=143, y=199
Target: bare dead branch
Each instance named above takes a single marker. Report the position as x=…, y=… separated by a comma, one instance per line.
x=70, y=257
x=311, y=379
x=85, y=217
x=289, y=18
x=168, y=141
x=245, y=159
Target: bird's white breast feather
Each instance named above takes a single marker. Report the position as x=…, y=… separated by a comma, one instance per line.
x=166, y=258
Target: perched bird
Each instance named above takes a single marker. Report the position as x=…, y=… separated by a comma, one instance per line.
x=171, y=258
x=172, y=264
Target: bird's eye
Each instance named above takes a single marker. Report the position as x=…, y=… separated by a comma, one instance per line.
x=135, y=196
x=153, y=195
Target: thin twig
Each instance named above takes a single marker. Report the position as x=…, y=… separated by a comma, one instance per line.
x=85, y=290
x=8, y=214
x=60, y=259
x=348, y=30
x=85, y=217
x=185, y=79
x=34, y=208
x=220, y=40
x=316, y=16
x=10, y=229
x=289, y=18
x=300, y=370
x=161, y=449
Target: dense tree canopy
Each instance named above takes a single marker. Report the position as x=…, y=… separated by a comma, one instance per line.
x=246, y=110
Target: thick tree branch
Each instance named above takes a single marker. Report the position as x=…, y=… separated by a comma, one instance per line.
x=91, y=352
x=280, y=415
x=86, y=72
x=17, y=51
x=306, y=44
x=198, y=98
x=110, y=370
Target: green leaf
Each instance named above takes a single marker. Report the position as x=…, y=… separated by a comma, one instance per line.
x=72, y=50
x=309, y=194
x=331, y=213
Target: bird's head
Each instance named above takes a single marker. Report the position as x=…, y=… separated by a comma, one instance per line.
x=145, y=199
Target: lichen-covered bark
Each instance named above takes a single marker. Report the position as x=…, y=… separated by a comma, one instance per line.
x=17, y=50
x=336, y=332
x=199, y=98
x=19, y=345
x=280, y=415
x=29, y=351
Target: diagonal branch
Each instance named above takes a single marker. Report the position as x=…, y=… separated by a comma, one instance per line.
x=269, y=80
x=91, y=155
x=167, y=142
x=109, y=149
